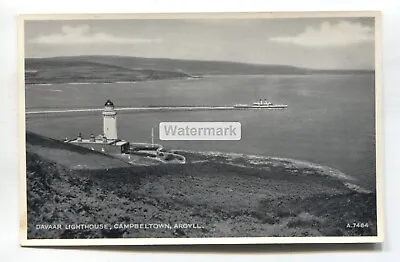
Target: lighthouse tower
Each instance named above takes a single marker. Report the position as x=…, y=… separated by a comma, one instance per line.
x=110, y=121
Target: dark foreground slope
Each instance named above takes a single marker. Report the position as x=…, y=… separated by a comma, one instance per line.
x=224, y=199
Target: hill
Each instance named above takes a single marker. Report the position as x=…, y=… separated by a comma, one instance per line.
x=225, y=195
x=120, y=68
x=50, y=71
x=206, y=67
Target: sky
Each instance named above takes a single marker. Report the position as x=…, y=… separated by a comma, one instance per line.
x=321, y=43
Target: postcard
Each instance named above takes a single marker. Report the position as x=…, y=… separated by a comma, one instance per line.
x=200, y=128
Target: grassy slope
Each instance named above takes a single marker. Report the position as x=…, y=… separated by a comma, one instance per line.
x=69, y=155
x=225, y=199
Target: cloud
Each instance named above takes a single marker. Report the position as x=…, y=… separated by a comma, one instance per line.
x=343, y=33
x=82, y=35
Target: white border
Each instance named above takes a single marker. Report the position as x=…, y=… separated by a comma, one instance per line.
x=195, y=241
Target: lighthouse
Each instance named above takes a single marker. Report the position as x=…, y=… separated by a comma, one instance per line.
x=107, y=142
x=110, y=121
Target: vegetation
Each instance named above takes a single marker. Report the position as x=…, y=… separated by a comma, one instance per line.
x=224, y=197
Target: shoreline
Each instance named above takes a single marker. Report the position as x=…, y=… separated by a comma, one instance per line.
x=326, y=171
x=239, y=160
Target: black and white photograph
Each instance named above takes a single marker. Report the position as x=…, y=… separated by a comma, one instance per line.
x=236, y=128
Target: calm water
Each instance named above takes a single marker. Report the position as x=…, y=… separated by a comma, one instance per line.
x=330, y=119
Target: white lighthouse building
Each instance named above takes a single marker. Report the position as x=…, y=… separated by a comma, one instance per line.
x=107, y=142
x=110, y=121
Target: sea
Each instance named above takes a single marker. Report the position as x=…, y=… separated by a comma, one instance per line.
x=330, y=119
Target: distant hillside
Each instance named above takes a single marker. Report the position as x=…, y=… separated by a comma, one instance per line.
x=76, y=70
x=119, y=68
x=197, y=67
